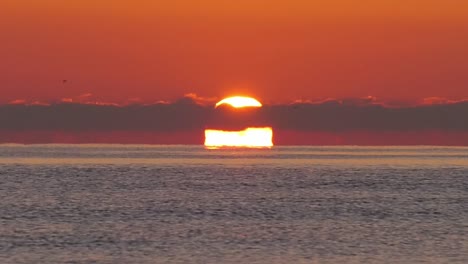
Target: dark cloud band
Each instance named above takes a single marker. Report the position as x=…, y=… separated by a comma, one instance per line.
x=188, y=119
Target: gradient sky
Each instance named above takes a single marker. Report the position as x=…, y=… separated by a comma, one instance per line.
x=279, y=51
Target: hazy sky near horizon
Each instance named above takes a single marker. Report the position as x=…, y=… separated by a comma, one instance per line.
x=277, y=51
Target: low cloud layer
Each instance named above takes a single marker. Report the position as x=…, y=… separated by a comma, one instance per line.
x=188, y=115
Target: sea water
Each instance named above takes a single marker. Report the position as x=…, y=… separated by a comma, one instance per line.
x=187, y=204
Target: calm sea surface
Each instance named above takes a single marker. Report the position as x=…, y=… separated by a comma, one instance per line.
x=185, y=204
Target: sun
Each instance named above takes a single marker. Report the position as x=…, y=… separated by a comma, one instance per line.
x=250, y=137
x=240, y=101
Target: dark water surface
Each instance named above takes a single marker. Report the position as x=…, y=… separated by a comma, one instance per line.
x=185, y=204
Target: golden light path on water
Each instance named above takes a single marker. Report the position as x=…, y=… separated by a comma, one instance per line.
x=252, y=137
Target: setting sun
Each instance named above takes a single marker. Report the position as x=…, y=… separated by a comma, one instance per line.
x=248, y=138
x=240, y=101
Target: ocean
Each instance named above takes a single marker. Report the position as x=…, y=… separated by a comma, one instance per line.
x=187, y=204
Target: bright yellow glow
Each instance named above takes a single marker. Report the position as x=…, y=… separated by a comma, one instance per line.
x=240, y=101
x=248, y=138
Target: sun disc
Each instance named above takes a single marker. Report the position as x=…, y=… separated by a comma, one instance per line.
x=240, y=101
x=252, y=137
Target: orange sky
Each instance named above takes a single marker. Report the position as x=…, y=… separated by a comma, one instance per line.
x=276, y=50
